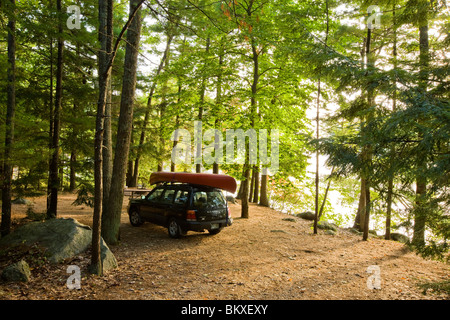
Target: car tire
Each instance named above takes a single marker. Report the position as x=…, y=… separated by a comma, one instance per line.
x=174, y=229
x=135, y=218
x=214, y=231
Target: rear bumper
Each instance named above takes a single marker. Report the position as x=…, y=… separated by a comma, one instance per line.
x=205, y=225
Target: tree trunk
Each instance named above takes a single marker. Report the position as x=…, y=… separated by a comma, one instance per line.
x=359, y=219
x=218, y=107
x=367, y=149
x=54, y=161
x=107, y=155
x=264, y=200
x=252, y=184
x=73, y=162
x=5, y=226
x=421, y=181
x=113, y=208
x=367, y=212
x=316, y=198
x=256, y=188
x=387, y=234
x=101, y=170
x=325, y=195
x=50, y=118
x=244, y=199
x=198, y=155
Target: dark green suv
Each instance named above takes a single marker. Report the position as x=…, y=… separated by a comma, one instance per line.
x=182, y=207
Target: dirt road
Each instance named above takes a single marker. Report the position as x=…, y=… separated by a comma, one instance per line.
x=269, y=256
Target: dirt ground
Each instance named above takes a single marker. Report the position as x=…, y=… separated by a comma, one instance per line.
x=270, y=256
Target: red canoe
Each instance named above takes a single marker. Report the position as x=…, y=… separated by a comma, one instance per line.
x=220, y=181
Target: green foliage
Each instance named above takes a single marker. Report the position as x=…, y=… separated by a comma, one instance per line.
x=85, y=194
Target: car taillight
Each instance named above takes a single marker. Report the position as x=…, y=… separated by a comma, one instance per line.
x=190, y=215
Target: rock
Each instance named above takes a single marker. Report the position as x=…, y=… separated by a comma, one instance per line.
x=62, y=239
x=277, y=230
x=289, y=219
x=19, y=271
x=231, y=199
x=399, y=237
x=355, y=231
x=307, y=215
x=373, y=232
x=21, y=201
x=325, y=225
x=330, y=232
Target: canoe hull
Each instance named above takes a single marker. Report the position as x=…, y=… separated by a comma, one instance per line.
x=220, y=181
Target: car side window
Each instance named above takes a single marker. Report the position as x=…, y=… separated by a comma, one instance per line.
x=155, y=195
x=181, y=197
x=200, y=198
x=168, y=196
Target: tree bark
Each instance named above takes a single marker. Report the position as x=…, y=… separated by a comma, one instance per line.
x=5, y=226
x=113, y=208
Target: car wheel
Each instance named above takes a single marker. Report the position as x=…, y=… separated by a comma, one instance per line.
x=135, y=218
x=174, y=229
x=214, y=231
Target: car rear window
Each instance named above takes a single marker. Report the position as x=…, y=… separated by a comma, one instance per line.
x=212, y=198
x=181, y=197
x=168, y=196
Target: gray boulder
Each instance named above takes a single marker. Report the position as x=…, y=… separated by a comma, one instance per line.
x=62, y=239
x=21, y=201
x=325, y=225
x=231, y=199
x=307, y=215
x=19, y=271
x=355, y=231
x=399, y=237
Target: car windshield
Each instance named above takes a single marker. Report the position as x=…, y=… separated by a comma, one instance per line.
x=205, y=199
